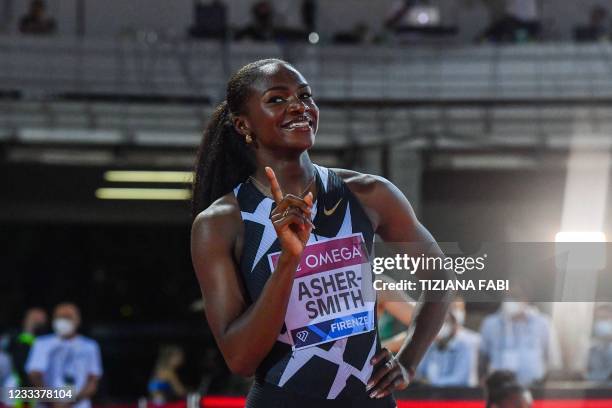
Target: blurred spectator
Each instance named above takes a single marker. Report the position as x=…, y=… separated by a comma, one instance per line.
x=66, y=358
x=519, y=23
x=6, y=369
x=600, y=353
x=7, y=379
x=450, y=360
x=392, y=306
x=34, y=324
x=309, y=15
x=36, y=20
x=457, y=309
x=210, y=20
x=262, y=26
x=519, y=338
x=165, y=385
x=503, y=391
x=412, y=20
x=598, y=28
x=359, y=34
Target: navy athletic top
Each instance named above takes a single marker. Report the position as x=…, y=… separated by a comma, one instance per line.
x=334, y=370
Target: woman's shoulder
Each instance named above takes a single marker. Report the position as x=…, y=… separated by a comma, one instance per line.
x=371, y=191
x=221, y=217
x=362, y=183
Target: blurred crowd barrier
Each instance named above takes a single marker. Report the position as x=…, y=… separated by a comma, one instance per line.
x=153, y=66
x=154, y=92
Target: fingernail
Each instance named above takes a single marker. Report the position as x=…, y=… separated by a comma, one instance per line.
x=369, y=386
x=373, y=395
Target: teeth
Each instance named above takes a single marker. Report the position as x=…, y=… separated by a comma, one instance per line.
x=298, y=124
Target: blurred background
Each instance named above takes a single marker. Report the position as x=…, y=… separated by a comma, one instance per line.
x=493, y=117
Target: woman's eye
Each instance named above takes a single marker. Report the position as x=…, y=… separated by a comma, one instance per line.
x=306, y=95
x=275, y=99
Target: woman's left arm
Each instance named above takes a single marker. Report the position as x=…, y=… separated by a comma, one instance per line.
x=395, y=221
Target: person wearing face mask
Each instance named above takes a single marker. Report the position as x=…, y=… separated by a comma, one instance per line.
x=66, y=358
x=450, y=360
x=599, y=366
x=457, y=309
x=18, y=347
x=518, y=338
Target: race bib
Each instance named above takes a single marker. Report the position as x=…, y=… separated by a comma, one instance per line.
x=332, y=295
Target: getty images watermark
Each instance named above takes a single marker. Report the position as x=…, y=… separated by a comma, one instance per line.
x=411, y=264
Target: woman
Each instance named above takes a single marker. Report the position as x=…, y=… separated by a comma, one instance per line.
x=165, y=385
x=245, y=212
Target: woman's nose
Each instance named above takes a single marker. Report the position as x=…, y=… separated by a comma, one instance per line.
x=297, y=104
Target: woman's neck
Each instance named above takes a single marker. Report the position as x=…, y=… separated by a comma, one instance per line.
x=293, y=175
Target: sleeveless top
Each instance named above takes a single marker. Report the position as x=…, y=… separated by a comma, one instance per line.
x=334, y=370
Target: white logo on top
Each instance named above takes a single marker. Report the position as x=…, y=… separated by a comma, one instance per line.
x=302, y=335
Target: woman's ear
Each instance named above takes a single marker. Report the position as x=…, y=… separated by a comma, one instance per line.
x=241, y=126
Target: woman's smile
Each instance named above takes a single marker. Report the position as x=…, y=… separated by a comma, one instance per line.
x=302, y=123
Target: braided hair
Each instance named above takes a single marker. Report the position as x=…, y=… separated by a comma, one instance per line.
x=224, y=159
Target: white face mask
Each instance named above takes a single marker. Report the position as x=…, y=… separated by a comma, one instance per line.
x=445, y=331
x=459, y=315
x=63, y=327
x=511, y=308
x=603, y=328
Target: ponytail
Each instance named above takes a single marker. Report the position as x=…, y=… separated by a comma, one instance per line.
x=223, y=160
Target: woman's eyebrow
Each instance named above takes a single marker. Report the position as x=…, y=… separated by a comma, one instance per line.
x=284, y=88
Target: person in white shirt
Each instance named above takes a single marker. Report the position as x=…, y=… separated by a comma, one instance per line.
x=457, y=309
x=451, y=360
x=519, y=338
x=599, y=367
x=66, y=358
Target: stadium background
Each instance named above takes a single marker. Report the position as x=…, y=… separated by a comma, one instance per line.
x=478, y=136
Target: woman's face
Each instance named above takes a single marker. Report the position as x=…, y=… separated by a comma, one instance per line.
x=281, y=113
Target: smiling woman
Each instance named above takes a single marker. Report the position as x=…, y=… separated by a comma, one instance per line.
x=249, y=235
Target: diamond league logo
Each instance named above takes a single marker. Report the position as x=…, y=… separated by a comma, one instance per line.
x=302, y=335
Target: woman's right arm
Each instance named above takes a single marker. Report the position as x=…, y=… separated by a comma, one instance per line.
x=244, y=334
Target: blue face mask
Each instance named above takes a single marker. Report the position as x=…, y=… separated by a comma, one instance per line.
x=602, y=328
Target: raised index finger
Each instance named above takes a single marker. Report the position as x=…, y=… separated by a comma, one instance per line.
x=275, y=189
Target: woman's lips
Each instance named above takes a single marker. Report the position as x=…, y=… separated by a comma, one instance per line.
x=303, y=122
x=302, y=125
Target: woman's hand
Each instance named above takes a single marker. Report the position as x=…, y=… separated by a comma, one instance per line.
x=291, y=217
x=389, y=376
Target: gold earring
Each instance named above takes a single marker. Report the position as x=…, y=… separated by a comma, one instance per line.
x=248, y=139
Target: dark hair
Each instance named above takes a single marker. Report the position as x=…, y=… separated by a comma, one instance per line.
x=500, y=385
x=224, y=159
